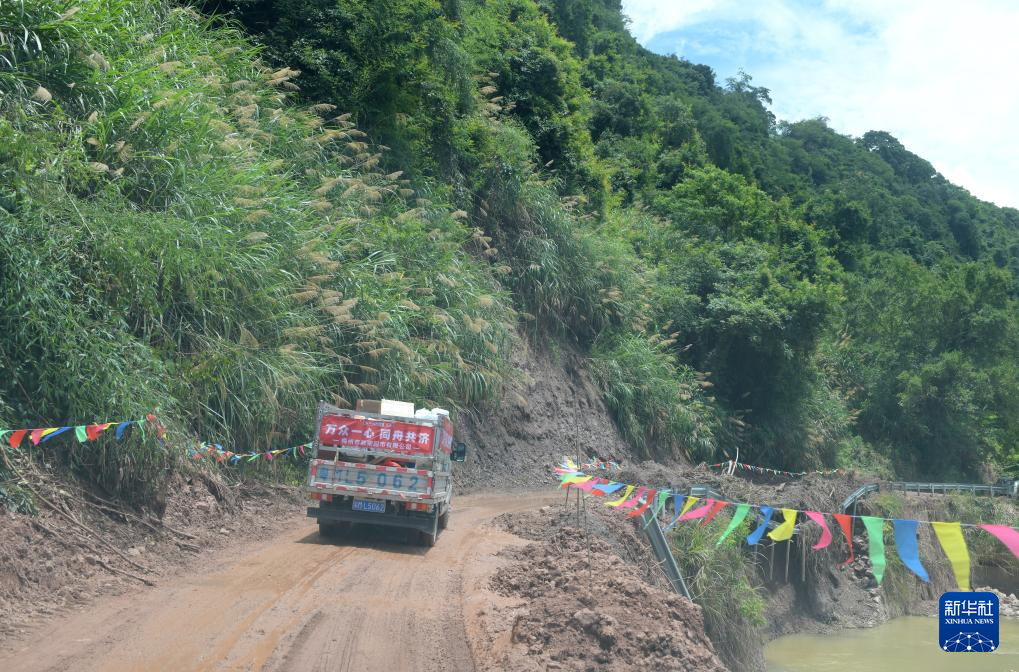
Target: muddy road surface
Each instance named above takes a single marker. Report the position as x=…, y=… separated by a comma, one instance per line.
x=297, y=602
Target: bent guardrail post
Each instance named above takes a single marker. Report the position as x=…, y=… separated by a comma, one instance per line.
x=661, y=549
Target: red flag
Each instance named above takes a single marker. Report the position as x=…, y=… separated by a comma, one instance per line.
x=17, y=437
x=846, y=523
x=643, y=507
x=715, y=508
x=93, y=431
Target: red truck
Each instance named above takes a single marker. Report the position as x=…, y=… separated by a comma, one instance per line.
x=383, y=469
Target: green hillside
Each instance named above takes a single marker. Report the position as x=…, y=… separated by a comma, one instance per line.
x=230, y=209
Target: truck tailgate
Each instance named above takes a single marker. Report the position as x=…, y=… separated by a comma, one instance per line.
x=396, y=483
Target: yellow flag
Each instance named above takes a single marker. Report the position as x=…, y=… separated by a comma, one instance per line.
x=954, y=544
x=626, y=496
x=785, y=530
x=576, y=479
x=687, y=505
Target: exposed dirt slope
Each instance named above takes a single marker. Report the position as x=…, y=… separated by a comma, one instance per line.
x=551, y=408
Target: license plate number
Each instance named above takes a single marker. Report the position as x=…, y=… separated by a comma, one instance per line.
x=369, y=506
x=378, y=479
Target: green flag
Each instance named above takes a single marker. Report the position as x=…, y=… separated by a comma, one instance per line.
x=741, y=512
x=876, y=540
x=80, y=432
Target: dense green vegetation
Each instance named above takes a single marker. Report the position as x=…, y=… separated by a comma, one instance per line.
x=191, y=223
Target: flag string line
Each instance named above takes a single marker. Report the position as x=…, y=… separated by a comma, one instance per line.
x=758, y=506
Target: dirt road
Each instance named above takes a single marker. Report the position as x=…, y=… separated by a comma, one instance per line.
x=297, y=602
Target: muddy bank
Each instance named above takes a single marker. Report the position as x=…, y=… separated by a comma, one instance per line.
x=82, y=548
x=575, y=603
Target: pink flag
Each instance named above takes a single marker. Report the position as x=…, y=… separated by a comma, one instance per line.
x=715, y=508
x=633, y=500
x=643, y=507
x=699, y=512
x=1005, y=535
x=825, y=533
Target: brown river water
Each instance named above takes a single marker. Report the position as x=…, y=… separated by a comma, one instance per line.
x=900, y=645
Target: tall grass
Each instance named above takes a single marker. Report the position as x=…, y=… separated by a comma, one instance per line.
x=659, y=405
x=176, y=234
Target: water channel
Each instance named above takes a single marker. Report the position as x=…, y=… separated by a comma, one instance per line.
x=900, y=645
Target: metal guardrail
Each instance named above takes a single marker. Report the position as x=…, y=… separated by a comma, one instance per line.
x=660, y=547
x=932, y=488
x=859, y=494
x=945, y=488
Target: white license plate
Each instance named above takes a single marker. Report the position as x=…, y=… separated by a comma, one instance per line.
x=369, y=506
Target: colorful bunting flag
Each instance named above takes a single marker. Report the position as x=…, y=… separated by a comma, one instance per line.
x=954, y=545
x=905, y=531
x=785, y=530
x=845, y=522
x=738, y=517
x=1005, y=535
x=825, y=532
x=905, y=544
x=756, y=535
x=876, y=544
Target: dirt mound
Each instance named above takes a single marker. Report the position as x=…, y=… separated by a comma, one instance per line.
x=551, y=408
x=585, y=608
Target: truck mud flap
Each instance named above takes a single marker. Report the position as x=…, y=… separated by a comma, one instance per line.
x=337, y=515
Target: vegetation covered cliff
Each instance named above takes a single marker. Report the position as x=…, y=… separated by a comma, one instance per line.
x=227, y=209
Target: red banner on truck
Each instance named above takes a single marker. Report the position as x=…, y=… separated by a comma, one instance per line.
x=369, y=434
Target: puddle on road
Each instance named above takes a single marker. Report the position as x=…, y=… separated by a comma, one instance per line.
x=900, y=645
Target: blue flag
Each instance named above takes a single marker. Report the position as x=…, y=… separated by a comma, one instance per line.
x=756, y=535
x=905, y=543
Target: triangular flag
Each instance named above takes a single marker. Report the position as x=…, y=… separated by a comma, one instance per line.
x=954, y=545
x=93, y=431
x=49, y=434
x=756, y=535
x=643, y=507
x=687, y=505
x=17, y=437
x=626, y=495
x=905, y=544
x=845, y=522
x=603, y=489
x=715, y=508
x=876, y=543
x=633, y=499
x=785, y=530
x=676, y=507
x=699, y=512
x=120, y=429
x=825, y=533
x=80, y=434
x=663, y=497
x=1005, y=535
x=737, y=518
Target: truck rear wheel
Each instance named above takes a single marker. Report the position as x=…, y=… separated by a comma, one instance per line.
x=428, y=538
x=444, y=520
